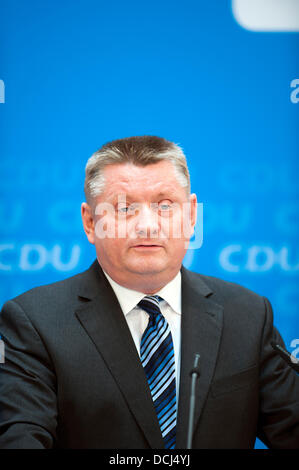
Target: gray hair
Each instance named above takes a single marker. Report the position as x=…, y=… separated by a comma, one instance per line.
x=141, y=151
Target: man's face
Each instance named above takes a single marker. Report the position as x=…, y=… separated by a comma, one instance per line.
x=142, y=224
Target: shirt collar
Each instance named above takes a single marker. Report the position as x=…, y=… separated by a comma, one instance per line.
x=128, y=298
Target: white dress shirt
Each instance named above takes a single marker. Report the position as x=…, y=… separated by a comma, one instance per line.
x=137, y=318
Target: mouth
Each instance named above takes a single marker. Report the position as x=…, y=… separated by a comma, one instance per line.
x=146, y=247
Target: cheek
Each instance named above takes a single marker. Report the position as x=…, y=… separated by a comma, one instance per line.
x=186, y=223
x=111, y=252
x=174, y=226
x=107, y=243
x=123, y=227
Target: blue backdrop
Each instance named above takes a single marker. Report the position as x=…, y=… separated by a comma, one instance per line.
x=76, y=74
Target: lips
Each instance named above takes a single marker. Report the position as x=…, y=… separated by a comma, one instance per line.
x=145, y=244
x=146, y=247
x=148, y=243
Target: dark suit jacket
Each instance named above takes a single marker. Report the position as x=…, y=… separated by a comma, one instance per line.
x=72, y=376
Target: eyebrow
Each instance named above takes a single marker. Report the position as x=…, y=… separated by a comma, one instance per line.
x=166, y=195
x=129, y=198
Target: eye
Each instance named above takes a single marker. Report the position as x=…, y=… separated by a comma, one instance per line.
x=165, y=206
x=122, y=209
x=126, y=209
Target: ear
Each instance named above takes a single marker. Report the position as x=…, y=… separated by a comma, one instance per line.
x=193, y=211
x=88, y=221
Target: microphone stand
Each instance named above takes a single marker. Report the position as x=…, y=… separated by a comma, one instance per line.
x=195, y=373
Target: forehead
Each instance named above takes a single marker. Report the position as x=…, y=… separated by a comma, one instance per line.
x=129, y=178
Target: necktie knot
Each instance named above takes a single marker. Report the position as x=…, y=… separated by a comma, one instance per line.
x=150, y=303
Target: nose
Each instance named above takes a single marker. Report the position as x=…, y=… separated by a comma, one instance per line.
x=147, y=222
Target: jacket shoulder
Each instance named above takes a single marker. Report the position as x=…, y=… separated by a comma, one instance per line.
x=59, y=295
x=226, y=292
x=48, y=290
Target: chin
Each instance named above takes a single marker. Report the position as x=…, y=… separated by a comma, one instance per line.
x=147, y=268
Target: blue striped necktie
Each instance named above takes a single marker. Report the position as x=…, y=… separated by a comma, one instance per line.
x=157, y=357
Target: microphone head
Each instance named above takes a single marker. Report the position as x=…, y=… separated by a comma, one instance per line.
x=196, y=365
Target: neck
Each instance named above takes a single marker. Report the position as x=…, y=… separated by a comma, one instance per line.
x=146, y=283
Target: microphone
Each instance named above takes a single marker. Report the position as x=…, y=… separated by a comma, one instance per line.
x=291, y=360
x=195, y=373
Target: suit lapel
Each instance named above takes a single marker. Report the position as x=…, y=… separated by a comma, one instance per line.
x=101, y=317
x=104, y=322
x=200, y=333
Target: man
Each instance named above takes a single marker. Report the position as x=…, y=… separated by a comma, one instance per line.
x=102, y=359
